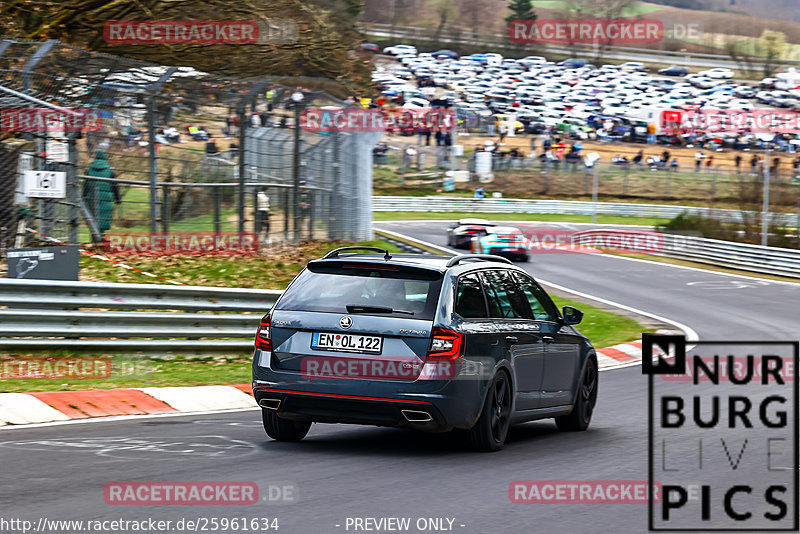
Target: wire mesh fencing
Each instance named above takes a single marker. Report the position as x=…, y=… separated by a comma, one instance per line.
x=142, y=149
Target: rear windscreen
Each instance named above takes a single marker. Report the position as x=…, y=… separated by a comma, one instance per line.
x=333, y=286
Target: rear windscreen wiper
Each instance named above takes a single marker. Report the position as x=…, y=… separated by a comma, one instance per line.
x=357, y=308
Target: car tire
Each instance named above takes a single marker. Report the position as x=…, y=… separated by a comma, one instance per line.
x=283, y=429
x=490, y=432
x=578, y=420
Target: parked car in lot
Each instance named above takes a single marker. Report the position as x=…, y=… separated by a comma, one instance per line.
x=505, y=241
x=633, y=66
x=370, y=47
x=719, y=73
x=397, y=50
x=460, y=234
x=573, y=63
x=426, y=342
x=444, y=54
x=674, y=70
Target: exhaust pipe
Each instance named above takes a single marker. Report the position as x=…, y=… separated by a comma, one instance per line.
x=270, y=404
x=414, y=416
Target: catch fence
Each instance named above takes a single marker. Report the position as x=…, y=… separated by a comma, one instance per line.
x=129, y=147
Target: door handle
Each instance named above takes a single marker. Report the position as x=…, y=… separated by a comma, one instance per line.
x=512, y=339
x=548, y=339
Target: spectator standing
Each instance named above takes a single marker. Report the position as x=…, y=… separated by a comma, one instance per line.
x=737, y=161
x=753, y=164
x=699, y=156
x=709, y=162
x=100, y=195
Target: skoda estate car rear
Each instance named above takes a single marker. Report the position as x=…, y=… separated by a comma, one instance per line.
x=427, y=342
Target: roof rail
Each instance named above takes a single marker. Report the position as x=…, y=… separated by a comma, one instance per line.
x=483, y=257
x=335, y=253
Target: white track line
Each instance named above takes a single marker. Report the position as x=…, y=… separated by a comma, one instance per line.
x=122, y=418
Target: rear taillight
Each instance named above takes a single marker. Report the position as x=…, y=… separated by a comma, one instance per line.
x=264, y=334
x=445, y=344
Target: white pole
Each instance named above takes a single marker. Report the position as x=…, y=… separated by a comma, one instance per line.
x=765, y=207
x=594, y=194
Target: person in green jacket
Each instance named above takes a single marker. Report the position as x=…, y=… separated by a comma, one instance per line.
x=100, y=195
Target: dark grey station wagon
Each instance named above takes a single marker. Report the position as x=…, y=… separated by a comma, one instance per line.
x=434, y=343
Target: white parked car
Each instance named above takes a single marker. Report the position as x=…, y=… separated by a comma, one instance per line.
x=718, y=73
x=416, y=103
x=400, y=49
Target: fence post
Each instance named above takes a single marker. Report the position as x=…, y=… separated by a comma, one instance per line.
x=152, y=161
x=73, y=189
x=217, y=209
x=297, y=99
x=240, y=110
x=166, y=208
x=286, y=214
x=313, y=198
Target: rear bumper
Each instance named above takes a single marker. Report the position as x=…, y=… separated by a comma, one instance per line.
x=455, y=403
x=516, y=254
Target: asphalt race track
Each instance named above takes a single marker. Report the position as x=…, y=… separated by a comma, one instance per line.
x=341, y=472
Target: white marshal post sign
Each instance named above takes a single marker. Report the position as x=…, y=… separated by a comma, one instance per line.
x=45, y=184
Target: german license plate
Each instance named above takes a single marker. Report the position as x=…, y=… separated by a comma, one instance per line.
x=347, y=342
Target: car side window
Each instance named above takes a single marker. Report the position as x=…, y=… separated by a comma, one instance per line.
x=540, y=304
x=504, y=298
x=470, y=303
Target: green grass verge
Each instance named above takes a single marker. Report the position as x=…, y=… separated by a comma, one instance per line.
x=545, y=217
x=142, y=371
x=604, y=328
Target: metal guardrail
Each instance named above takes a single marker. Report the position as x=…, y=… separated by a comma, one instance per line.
x=743, y=256
x=40, y=312
x=74, y=295
x=571, y=207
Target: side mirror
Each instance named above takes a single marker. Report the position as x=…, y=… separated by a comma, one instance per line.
x=571, y=315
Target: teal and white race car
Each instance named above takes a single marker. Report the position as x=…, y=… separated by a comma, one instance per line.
x=506, y=241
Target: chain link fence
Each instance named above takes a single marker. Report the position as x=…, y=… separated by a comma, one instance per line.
x=139, y=148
